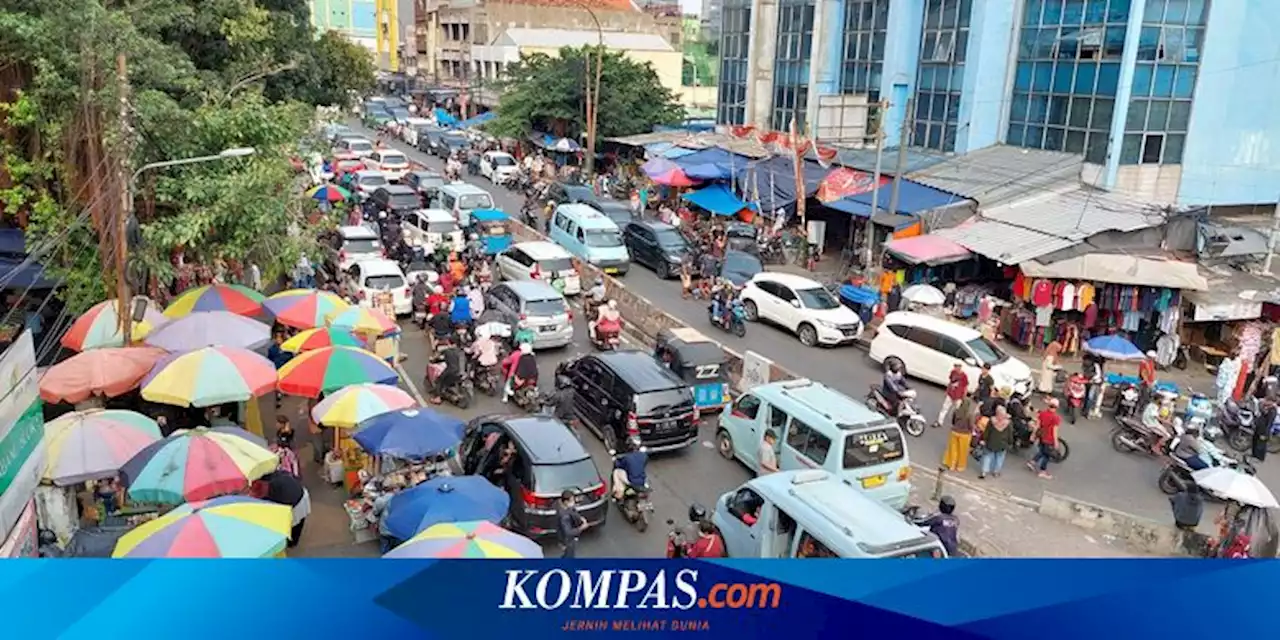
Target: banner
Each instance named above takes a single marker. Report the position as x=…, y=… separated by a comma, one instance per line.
x=24, y=540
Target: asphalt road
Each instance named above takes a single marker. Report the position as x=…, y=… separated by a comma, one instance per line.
x=1093, y=473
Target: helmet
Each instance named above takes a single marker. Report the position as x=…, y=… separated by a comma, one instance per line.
x=947, y=504
x=474, y=236
x=525, y=347
x=438, y=289
x=563, y=381
x=697, y=513
x=599, y=281
x=613, y=304
x=633, y=442
x=551, y=203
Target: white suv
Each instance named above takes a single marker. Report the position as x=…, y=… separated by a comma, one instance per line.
x=392, y=164
x=929, y=347
x=802, y=306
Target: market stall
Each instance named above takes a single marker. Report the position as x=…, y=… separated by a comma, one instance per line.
x=965, y=277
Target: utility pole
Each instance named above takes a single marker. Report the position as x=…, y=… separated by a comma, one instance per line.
x=869, y=228
x=1271, y=241
x=797, y=157
x=124, y=301
x=594, y=95
x=904, y=139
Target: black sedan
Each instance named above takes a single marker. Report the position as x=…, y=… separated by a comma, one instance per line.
x=738, y=267
x=656, y=245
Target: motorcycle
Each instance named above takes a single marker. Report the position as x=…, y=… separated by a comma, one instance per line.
x=526, y=397
x=420, y=316
x=607, y=339
x=459, y=394
x=1126, y=400
x=486, y=380
x=908, y=415
x=1132, y=436
x=1200, y=414
x=636, y=507
x=1075, y=392
x=736, y=323
x=1176, y=475
x=1238, y=423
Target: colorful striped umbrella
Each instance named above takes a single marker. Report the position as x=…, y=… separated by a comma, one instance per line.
x=329, y=192
x=210, y=329
x=99, y=327
x=94, y=444
x=110, y=371
x=364, y=320
x=331, y=368
x=304, y=308
x=209, y=376
x=313, y=339
x=477, y=539
x=352, y=405
x=195, y=464
x=226, y=527
x=217, y=297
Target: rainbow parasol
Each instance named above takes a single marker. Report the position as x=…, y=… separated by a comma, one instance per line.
x=328, y=192
x=313, y=339
x=100, y=326
x=326, y=370
x=364, y=320
x=478, y=539
x=227, y=527
x=94, y=444
x=216, y=297
x=352, y=405
x=209, y=376
x=304, y=308
x=195, y=464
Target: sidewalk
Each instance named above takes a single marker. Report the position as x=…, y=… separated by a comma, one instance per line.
x=993, y=525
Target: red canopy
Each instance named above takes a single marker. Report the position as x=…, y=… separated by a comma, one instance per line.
x=844, y=182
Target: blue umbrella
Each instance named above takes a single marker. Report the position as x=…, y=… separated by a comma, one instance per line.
x=444, y=499
x=1113, y=348
x=411, y=434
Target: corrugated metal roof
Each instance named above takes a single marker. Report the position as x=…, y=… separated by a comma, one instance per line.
x=865, y=159
x=1001, y=174
x=1003, y=242
x=1078, y=214
x=556, y=38
x=743, y=147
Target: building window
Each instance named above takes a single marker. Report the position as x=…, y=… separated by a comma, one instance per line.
x=1164, y=81
x=735, y=28
x=791, y=66
x=1067, y=75
x=938, y=85
x=866, y=25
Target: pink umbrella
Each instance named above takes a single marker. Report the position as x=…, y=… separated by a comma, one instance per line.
x=109, y=372
x=665, y=172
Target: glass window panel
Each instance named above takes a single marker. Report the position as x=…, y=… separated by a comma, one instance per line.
x=1075, y=142
x=1095, y=12
x=1148, y=43
x=950, y=14
x=927, y=45
x=962, y=46
x=1027, y=43
x=935, y=137
x=1137, y=116
x=939, y=108
x=1162, y=86
x=957, y=77
x=877, y=46
x=1086, y=74
x=1173, y=44
x=966, y=12
x=1100, y=119
x=1175, y=12
x=1197, y=13
x=1053, y=138
x=1194, y=37
x=1173, y=145
x=1158, y=115
x=1080, y=112
x=1017, y=135
x=1052, y=12
x=1035, y=136
x=1067, y=44
x=1130, y=149
x=1038, y=112
x=1142, y=80
x=1095, y=149
x=1152, y=147
x=1031, y=12
x=1184, y=82
x=1058, y=110
x=1043, y=76
x=953, y=108
x=933, y=14
x=949, y=138
x=1118, y=11
x=926, y=77
x=1114, y=46
x=924, y=102
x=1108, y=78
x=1073, y=12
x=1179, y=115
x=1062, y=77
x=921, y=131
x=1018, y=112
x=1154, y=12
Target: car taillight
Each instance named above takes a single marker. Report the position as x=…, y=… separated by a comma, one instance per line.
x=598, y=491
x=697, y=414
x=904, y=473
x=633, y=427
x=408, y=291
x=360, y=294
x=536, y=273
x=538, y=502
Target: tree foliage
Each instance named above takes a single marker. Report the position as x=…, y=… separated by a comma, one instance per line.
x=548, y=93
x=203, y=75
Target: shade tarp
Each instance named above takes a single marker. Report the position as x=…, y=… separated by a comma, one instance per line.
x=1121, y=269
x=913, y=197
x=666, y=150
x=927, y=249
x=444, y=118
x=476, y=120
x=718, y=199
x=712, y=164
x=19, y=274
x=13, y=242
x=775, y=180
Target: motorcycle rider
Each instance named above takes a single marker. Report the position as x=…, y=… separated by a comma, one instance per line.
x=562, y=401
x=519, y=369
x=892, y=385
x=460, y=308
x=1196, y=452
x=454, y=361
x=437, y=302
x=944, y=524
x=608, y=320
x=420, y=292
x=595, y=296
x=485, y=350
x=524, y=333
x=1155, y=417
x=629, y=469
x=484, y=276
x=547, y=210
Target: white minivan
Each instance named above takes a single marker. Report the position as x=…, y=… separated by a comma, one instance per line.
x=357, y=243
x=928, y=347
x=432, y=229
x=540, y=260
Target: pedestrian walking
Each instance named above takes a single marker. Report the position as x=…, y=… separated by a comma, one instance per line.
x=1047, y=432
x=986, y=384
x=1049, y=367
x=956, y=456
x=957, y=389
x=569, y=524
x=995, y=442
x=767, y=455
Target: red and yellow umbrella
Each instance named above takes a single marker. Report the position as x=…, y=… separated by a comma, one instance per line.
x=331, y=368
x=313, y=339
x=217, y=297
x=304, y=308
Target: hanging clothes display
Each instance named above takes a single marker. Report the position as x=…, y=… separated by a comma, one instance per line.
x=1042, y=293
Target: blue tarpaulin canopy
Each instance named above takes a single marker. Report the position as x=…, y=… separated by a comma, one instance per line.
x=775, y=180
x=666, y=150
x=913, y=198
x=476, y=120
x=13, y=242
x=718, y=199
x=444, y=118
x=712, y=164
x=19, y=275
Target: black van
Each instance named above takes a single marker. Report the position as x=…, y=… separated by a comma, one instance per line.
x=627, y=392
x=394, y=198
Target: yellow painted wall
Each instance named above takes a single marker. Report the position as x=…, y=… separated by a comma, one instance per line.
x=667, y=64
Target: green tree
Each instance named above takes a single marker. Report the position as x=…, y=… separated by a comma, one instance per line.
x=203, y=76
x=548, y=93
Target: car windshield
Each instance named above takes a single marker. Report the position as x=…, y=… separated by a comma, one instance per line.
x=987, y=352
x=390, y=281
x=579, y=194
x=659, y=401
x=555, y=478
x=603, y=238
x=503, y=161
x=400, y=113
x=399, y=201
x=555, y=264
x=394, y=158
x=453, y=139
x=670, y=239
x=869, y=448
x=362, y=245
x=742, y=263
x=551, y=307
x=475, y=201
x=818, y=298
x=375, y=180
x=441, y=227
x=359, y=145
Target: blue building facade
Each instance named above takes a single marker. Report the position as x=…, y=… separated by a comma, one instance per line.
x=1167, y=99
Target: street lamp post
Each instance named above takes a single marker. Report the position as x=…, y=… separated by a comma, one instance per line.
x=126, y=313
x=593, y=94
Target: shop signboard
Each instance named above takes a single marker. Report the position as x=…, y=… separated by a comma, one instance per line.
x=24, y=540
x=1227, y=311
x=21, y=410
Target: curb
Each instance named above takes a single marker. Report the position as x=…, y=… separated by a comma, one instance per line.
x=412, y=386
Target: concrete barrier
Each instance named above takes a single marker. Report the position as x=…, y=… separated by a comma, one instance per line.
x=1138, y=533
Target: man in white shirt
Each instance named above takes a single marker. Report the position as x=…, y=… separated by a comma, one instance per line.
x=767, y=456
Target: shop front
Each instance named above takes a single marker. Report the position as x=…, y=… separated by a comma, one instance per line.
x=967, y=278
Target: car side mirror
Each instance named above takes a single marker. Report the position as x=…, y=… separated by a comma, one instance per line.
x=971, y=362
x=795, y=303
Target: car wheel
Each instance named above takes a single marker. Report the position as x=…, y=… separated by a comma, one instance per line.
x=751, y=310
x=664, y=270
x=724, y=444
x=808, y=335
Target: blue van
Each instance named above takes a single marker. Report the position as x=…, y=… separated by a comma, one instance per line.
x=461, y=199
x=591, y=236
x=818, y=427
x=815, y=514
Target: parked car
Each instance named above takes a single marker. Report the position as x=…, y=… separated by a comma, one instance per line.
x=449, y=142
x=368, y=278
x=360, y=147
x=929, y=347
x=616, y=210
x=618, y=394
x=568, y=193
x=540, y=260
x=357, y=243
x=549, y=460
x=656, y=245
x=498, y=166
x=739, y=267
x=537, y=303
x=432, y=229
x=425, y=183
x=390, y=162
x=801, y=306
x=394, y=198
x=365, y=182
x=588, y=234
x=410, y=129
